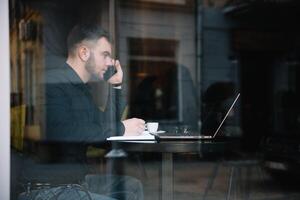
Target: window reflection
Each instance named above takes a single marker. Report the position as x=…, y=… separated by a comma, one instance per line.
x=184, y=61
x=153, y=77
x=157, y=43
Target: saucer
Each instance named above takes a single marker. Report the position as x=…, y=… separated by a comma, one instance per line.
x=160, y=131
x=157, y=132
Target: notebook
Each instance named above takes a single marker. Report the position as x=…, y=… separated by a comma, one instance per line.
x=172, y=136
x=145, y=136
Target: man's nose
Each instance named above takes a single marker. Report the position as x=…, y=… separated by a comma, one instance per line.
x=110, y=61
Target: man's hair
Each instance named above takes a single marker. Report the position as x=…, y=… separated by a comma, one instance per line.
x=89, y=32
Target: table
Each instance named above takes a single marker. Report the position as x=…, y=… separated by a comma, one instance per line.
x=168, y=149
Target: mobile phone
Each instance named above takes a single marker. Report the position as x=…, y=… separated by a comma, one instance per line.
x=111, y=70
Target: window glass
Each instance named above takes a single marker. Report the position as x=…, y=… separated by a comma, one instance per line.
x=176, y=70
x=85, y=71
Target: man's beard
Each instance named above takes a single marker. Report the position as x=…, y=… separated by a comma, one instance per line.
x=90, y=67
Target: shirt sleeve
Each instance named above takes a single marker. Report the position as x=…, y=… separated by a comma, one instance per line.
x=113, y=112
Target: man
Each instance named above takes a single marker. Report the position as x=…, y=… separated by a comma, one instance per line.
x=72, y=117
x=71, y=113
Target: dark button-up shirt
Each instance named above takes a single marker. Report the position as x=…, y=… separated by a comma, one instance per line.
x=71, y=113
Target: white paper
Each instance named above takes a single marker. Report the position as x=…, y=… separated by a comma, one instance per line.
x=144, y=136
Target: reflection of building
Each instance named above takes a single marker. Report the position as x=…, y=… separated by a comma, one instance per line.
x=155, y=38
x=152, y=70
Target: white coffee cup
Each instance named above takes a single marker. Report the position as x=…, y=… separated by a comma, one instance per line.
x=152, y=127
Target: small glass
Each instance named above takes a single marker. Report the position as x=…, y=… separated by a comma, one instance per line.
x=185, y=129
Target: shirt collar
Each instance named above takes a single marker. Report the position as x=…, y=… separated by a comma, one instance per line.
x=71, y=74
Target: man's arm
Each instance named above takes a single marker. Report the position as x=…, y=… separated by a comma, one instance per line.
x=132, y=126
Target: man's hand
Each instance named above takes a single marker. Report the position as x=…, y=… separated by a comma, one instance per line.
x=134, y=126
x=117, y=78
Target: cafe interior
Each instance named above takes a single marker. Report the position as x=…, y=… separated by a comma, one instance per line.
x=184, y=63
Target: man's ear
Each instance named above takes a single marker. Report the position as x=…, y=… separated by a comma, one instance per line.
x=84, y=53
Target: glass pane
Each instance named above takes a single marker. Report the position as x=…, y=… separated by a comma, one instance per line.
x=154, y=99
x=157, y=44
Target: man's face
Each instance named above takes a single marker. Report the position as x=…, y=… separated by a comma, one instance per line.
x=100, y=58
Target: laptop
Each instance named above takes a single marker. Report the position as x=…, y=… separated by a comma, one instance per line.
x=172, y=136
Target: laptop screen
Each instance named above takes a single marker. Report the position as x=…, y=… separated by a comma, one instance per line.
x=215, y=119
